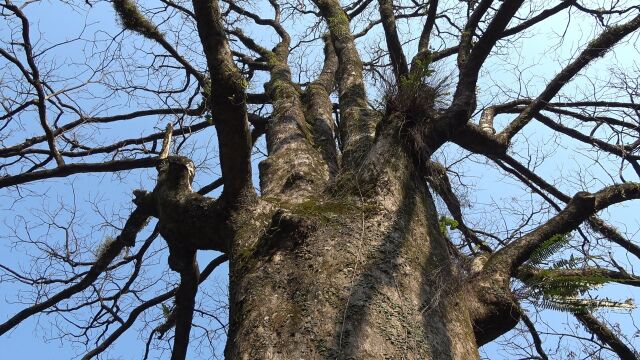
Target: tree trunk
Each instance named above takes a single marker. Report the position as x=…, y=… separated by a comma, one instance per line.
x=336, y=277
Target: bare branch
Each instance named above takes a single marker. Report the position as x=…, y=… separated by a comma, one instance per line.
x=606, y=336
x=134, y=20
x=79, y=168
x=582, y=206
x=36, y=81
x=595, y=49
x=133, y=226
x=537, y=342
x=398, y=60
x=133, y=316
x=166, y=143
x=437, y=176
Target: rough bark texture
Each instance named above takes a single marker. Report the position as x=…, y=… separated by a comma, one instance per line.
x=357, y=125
x=336, y=277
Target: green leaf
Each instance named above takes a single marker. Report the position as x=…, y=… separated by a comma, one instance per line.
x=445, y=222
x=548, y=248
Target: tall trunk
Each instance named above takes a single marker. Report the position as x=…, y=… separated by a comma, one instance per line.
x=337, y=277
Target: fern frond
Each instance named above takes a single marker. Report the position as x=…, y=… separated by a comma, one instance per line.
x=548, y=247
x=579, y=305
x=550, y=286
x=570, y=263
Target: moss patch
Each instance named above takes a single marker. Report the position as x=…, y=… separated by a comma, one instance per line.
x=325, y=209
x=132, y=19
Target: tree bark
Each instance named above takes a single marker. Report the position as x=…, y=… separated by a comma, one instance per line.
x=338, y=277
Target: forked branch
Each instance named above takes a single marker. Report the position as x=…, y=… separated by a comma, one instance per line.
x=595, y=49
x=134, y=224
x=582, y=206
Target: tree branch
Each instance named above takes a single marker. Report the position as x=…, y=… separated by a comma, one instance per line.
x=470, y=60
x=227, y=103
x=35, y=80
x=611, y=275
x=596, y=48
x=69, y=169
x=437, y=177
x=134, y=20
x=423, y=43
x=511, y=31
x=582, y=206
x=394, y=46
x=15, y=149
x=357, y=126
x=185, y=303
x=132, y=227
x=147, y=305
x=537, y=342
x=606, y=336
x=595, y=222
x=320, y=109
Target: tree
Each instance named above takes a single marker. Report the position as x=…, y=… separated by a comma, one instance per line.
x=360, y=241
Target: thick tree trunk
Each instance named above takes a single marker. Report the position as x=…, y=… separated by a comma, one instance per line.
x=338, y=278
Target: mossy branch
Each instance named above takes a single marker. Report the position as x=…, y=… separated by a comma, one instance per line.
x=132, y=19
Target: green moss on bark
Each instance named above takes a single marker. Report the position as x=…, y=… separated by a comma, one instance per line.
x=132, y=19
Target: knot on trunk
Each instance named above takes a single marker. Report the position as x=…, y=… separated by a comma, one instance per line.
x=182, y=261
x=175, y=174
x=286, y=232
x=494, y=311
x=292, y=180
x=583, y=201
